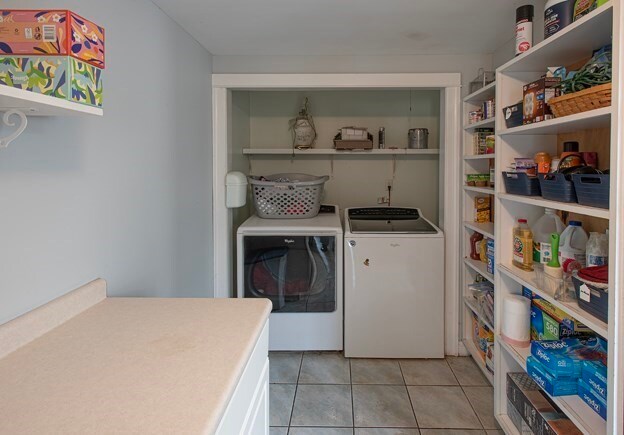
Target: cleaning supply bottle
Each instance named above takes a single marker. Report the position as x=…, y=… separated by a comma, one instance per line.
x=546, y=225
x=523, y=245
x=597, y=249
x=572, y=247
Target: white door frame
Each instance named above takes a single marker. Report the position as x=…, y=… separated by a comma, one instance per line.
x=450, y=86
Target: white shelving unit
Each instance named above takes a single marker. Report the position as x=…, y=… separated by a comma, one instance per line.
x=474, y=163
x=574, y=43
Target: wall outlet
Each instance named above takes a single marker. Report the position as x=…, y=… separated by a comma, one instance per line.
x=382, y=200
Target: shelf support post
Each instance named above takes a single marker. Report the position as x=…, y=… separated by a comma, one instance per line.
x=6, y=120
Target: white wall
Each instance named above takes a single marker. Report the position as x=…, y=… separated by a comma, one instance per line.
x=126, y=197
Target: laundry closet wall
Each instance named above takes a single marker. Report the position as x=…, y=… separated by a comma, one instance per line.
x=126, y=197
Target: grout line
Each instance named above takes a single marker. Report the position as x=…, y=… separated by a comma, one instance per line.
x=292, y=410
x=409, y=397
x=351, y=384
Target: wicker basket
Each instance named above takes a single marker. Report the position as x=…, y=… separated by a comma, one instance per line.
x=595, y=97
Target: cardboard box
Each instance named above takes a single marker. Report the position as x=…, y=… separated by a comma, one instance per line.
x=564, y=358
x=553, y=386
x=535, y=97
x=51, y=32
x=557, y=324
x=482, y=208
x=589, y=396
x=540, y=414
x=57, y=76
x=594, y=374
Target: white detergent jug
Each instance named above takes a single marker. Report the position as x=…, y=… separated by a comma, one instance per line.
x=573, y=243
x=543, y=228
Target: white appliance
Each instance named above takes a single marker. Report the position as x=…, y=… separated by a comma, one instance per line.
x=394, y=284
x=297, y=264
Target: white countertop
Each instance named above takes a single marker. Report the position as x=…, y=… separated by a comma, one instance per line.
x=132, y=365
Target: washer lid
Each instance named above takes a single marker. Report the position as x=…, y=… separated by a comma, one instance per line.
x=389, y=220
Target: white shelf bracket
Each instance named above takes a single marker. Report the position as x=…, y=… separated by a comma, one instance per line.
x=6, y=120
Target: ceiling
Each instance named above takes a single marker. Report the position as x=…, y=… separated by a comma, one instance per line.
x=345, y=27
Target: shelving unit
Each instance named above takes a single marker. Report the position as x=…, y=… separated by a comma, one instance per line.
x=474, y=163
x=334, y=152
x=33, y=104
x=570, y=45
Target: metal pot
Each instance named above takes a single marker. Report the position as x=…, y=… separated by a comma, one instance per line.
x=418, y=138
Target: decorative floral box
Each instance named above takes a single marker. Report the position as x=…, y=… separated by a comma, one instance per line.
x=57, y=76
x=56, y=32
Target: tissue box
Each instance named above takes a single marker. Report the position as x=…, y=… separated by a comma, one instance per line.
x=594, y=401
x=553, y=386
x=594, y=374
x=57, y=76
x=51, y=32
x=564, y=358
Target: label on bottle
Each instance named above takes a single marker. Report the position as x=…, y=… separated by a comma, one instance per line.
x=557, y=17
x=596, y=260
x=520, y=250
x=524, y=36
x=542, y=252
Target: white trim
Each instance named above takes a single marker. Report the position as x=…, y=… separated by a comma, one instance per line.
x=449, y=83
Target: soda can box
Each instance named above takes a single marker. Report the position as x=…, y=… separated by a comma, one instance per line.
x=553, y=386
x=595, y=402
x=595, y=375
x=51, y=32
x=564, y=358
x=56, y=76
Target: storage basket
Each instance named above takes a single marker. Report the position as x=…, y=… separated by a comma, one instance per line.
x=595, y=97
x=592, y=189
x=595, y=300
x=557, y=187
x=519, y=183
x=287, y=196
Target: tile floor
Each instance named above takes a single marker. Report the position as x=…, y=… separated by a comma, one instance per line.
x=323, y=393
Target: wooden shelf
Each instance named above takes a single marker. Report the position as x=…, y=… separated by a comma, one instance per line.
x=486, y=123
x=579, y=412
x=487, y=229
x=480, y=157
x=472, y=306
x=529, y=280
x=334, y=152
x=480, y=267
x=570, y=44
x=481, y=95
x=33, y=104
x=602, y=213
x=597, y=118
x=472, y=349
x=486, y=190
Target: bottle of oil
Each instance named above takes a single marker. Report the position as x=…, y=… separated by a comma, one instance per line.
x=523, y=245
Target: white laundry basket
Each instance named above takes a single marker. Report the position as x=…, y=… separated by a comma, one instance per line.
x=287, y=196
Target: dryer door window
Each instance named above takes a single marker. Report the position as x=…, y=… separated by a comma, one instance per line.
x=297, y=273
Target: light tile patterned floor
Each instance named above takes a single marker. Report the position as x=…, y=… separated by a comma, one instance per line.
x=323, y=393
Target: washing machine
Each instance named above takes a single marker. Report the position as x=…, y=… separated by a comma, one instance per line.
x=297, y=265
x=394, y=284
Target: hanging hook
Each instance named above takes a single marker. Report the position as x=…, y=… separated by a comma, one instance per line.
x=4, y=142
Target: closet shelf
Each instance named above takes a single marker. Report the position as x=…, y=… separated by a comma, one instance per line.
x=472, y=349
x=480, y=157
x=597, y=118
x=480, y=267
x=486, y=190
x=33, y=104
x=487, y=228
x=486, y=123
x=334, y=152
x=602, y=213
x=471, y=304
x=481, y=95
x=528, y=280
x=585, y=418
x=572, y=43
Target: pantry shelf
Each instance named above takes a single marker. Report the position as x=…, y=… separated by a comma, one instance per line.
x=479, y=267
x=334, y=152
x=528, y=280
x=486, y=123
x=570, y=44
x=471, y=304
x=472, y=349
x=597, y=118
x=483, y=94
x=486, y=190
x=507, y=425
x=588, y=421
x=33, y=104
x=486, y=228
x=480, y=157
x=601, y=213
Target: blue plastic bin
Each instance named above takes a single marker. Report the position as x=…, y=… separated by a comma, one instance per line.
x=519, y=183
x=592, y=189
x=557, y=187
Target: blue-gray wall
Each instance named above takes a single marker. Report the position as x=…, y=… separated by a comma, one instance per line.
x=126, y=197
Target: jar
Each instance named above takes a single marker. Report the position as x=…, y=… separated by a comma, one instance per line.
x=543, y=161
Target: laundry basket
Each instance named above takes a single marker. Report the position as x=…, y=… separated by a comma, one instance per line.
x=287, y=196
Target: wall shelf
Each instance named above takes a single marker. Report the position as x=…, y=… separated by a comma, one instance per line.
x=480, y=267
x=472, y=349
x=597, y=118
x=472, y=305
x=486, y=123
x=485, y=190
x=602, y=213
x=334, y=152
x=33, y=104
x=487, y=228
x=480, y=156
x=481, y=95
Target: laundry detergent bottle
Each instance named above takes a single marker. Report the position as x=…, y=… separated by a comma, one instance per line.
x=546, y=225
x=522, y=245
x=572, y=247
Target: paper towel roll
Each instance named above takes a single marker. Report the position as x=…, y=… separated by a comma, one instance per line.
x=516, y=319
